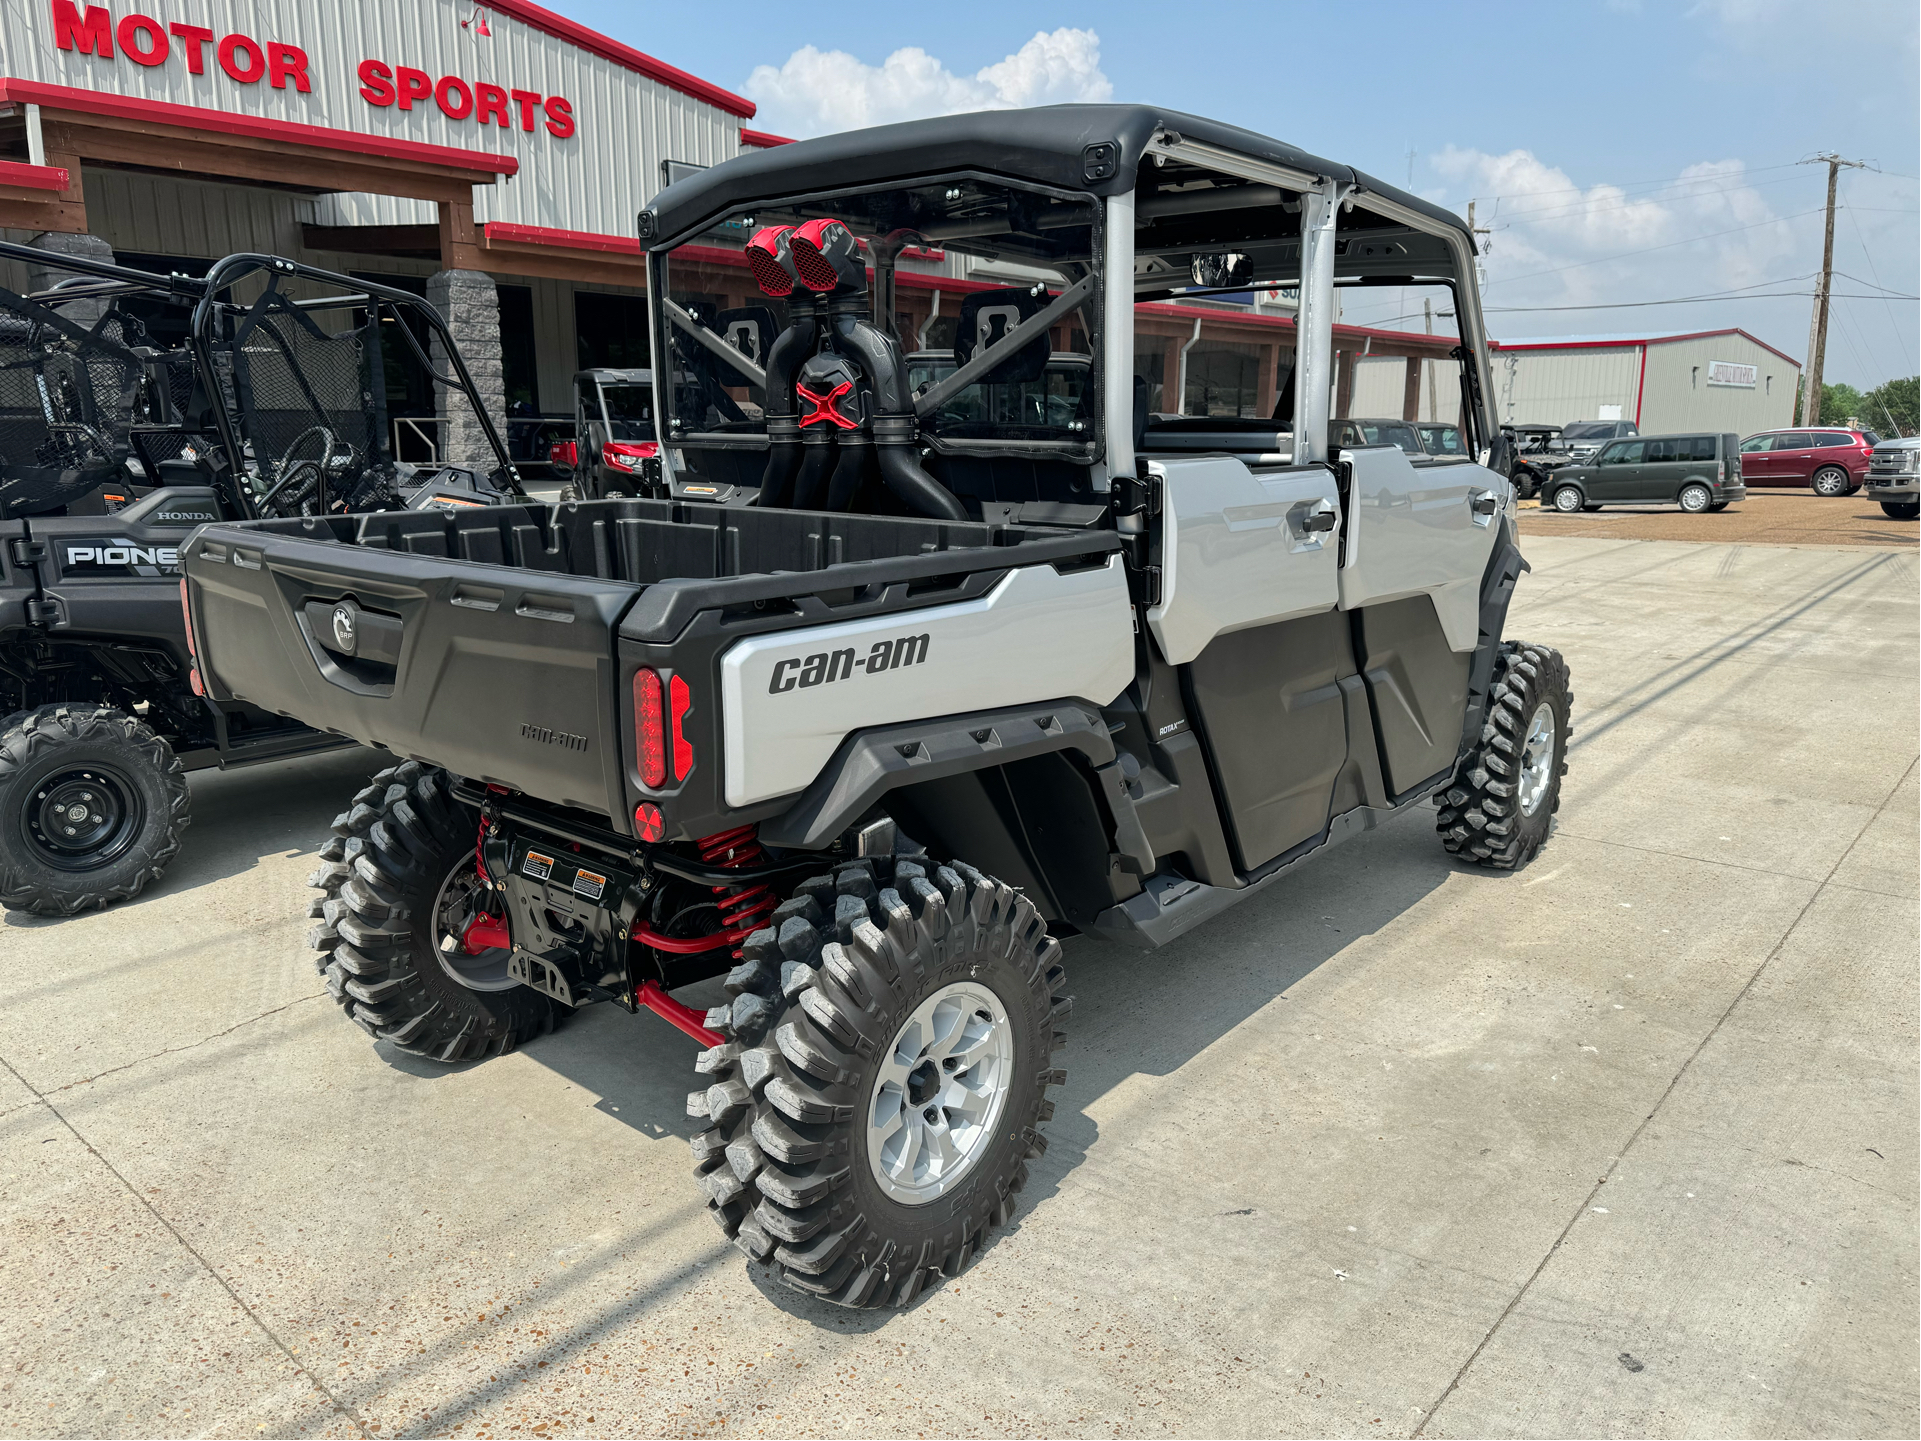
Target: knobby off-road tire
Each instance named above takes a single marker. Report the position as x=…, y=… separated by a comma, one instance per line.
x=822, y=1005
x=1500, y=809
x=92, y=803
x=401, y=853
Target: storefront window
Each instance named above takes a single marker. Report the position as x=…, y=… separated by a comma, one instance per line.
x=611, y=330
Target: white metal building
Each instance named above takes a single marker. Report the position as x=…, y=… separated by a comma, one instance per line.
x=1719, y=380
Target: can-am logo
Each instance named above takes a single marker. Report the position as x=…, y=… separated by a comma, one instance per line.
x=825, y=666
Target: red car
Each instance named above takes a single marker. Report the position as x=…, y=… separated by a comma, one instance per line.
x=1826, y=460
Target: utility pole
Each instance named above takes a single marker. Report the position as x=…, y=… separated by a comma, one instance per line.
x=1433, y=399
x=1818, y=328
x=1480, y=270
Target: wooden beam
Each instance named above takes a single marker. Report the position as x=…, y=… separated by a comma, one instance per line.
x=459, y=248
x=546, y=262
x=237, y=157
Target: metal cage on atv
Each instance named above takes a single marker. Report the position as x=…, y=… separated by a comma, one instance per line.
x=266, y=379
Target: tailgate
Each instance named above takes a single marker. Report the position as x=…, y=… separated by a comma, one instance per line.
x=499, y=674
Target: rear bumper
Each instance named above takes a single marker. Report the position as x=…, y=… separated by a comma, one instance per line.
x=1732, y=490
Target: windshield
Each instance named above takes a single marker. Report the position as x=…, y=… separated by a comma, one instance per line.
x=630, y=411
x=1443, y=440
x=1590, y=430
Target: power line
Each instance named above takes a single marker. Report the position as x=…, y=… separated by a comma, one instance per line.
x=1684, y=300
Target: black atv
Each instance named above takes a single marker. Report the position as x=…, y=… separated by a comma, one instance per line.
x=133, y=408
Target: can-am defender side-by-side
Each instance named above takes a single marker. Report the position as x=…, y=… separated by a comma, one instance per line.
x=974, y=672
x=134, y=407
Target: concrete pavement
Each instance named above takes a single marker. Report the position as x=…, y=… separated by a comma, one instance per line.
x=1624, y=1143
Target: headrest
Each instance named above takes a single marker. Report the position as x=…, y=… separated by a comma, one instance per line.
x=750, y=329
x=986, y=316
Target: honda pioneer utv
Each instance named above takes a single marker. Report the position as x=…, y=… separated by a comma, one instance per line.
x=963, y=680
x=134, y=407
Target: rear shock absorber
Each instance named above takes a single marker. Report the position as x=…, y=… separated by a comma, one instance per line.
x=743, y=909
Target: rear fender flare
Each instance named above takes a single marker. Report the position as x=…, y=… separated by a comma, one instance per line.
x=870, y=763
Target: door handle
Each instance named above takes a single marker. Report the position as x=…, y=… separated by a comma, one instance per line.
x=1319, y=520
x=1484, y=504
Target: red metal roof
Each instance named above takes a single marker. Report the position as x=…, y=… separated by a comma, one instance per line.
x=594, y=43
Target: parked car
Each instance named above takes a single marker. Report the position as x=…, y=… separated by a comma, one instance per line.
x=868, y=760
x=1380, y=432
x=1539, y=451
x=1584, y=438
x=1695, y=472
x=1893, y=470
x=1440, y=439
x=614, y=451
x=1826, y=461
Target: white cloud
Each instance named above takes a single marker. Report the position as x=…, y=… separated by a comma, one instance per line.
x=817, y=91
x=1555, y=242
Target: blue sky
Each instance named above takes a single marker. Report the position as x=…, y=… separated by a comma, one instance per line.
x=1622, y=151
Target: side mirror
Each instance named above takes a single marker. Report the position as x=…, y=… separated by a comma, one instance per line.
x=1500, y=456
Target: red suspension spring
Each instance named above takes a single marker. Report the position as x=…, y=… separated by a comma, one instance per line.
x=743, y=909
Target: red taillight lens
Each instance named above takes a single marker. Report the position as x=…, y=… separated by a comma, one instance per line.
x=628, y=454
x=650, y=729
x=186, y=614
x=563, y=452
x=679, y=698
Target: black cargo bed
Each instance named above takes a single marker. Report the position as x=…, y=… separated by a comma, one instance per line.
x=486, y=637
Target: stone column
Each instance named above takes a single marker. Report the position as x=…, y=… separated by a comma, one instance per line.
x=468, y=302
x=46, y=276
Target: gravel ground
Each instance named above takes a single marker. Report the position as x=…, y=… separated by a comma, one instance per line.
x=1766, y=517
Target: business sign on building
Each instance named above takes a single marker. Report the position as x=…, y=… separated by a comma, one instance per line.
x=1728, y=372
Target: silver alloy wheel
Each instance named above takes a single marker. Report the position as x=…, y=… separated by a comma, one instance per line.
x=1831, y=482
x=1695, y=498
x=1537, y=758
x=1567, y=500
x=940, y=1093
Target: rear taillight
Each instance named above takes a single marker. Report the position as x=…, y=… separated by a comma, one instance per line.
x=1721, y=470
x=563, y=452
x=650, y=727
x=678, y=700
x=627, y=455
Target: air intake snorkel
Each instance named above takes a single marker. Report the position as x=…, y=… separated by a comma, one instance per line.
x=827, y=260
x=771, y=258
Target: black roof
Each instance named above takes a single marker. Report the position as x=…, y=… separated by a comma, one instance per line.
x=1044, y=145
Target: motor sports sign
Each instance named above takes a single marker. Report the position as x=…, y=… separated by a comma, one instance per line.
x=154, y=42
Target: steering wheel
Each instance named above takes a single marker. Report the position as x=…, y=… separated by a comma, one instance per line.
x=310, y=472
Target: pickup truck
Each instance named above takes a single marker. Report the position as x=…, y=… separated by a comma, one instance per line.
x=962, y=679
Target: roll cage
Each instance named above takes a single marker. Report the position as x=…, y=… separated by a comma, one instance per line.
x=232, y=375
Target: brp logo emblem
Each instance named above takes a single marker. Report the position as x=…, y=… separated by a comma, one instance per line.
x=344, y=627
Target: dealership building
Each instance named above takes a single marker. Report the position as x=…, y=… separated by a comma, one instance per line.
x=1712, y=380
x=491, y=157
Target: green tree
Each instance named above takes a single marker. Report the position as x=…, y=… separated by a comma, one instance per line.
x=1838, y=402
x=1894, y=403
